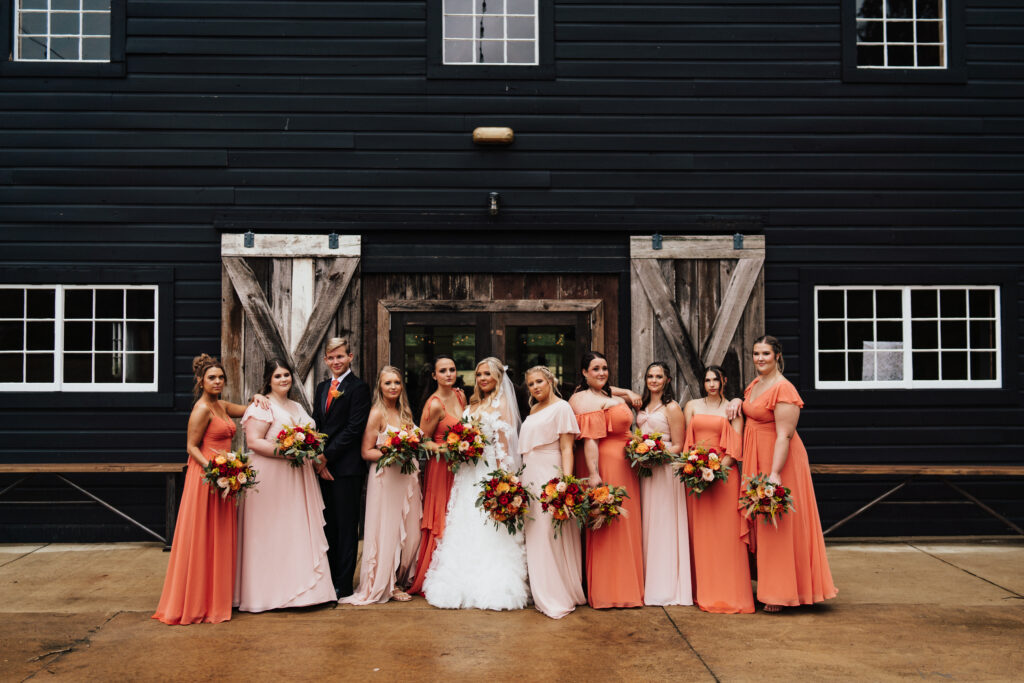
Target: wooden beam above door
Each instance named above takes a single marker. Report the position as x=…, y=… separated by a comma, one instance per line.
x=277, y=245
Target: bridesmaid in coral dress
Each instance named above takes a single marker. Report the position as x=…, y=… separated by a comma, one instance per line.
x=663, y=498
x=441, y=411
x=615, y=553
x=282, y=548
x=546, y=440
x=199, y=585
x=718, y=531
x=394, y=504
x=792, y=568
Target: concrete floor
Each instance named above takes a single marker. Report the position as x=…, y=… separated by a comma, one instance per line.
x=921, y=610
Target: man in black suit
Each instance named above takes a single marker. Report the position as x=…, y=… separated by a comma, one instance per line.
x=341, y=409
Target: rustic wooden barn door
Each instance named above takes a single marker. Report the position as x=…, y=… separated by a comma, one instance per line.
x=281, y=297
x=696, y=301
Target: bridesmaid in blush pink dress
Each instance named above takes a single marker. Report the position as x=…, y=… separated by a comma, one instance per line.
x=282, y=548
x=718, y=530
x=663, y=498
x=546, y=441
x=394, y=504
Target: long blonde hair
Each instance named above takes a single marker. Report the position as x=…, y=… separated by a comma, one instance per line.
x=497, y=370
x=404, y=411
x=549, y=376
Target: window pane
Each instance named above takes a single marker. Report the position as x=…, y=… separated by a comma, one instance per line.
x=460, y=6
x=40, y=336
x=869, y=31
x=929, y=9
x=491, y=27
x=40, y=303
x=64, y=48
x=65, y=23
x=926, y=365
x=983, y=365
x=983, y=334
x=96, y=24
x=830, y=303
x=32, y=4
x=928, y=32
x=899, y=9
x=857, y=334
x=954, y=334
x=889, y=303
x=926, y=334
x=521, y=6
x=32, y=48
x=953, y=303
x=109, y=303
x=64, y=4
x=924, y=303
x=493, y=51
x=78, y=303
x=832, y=367
x=109, y=336
x=458, y=52
x=954, y=365
x=983, y=303
x=11, y=367
x=96, y=49
x=33, y=23
x=520, y=27
x=901, y=55
x=869, y=8
x=524, y=52
x=12, y=303
x=489, y=6
x=77, y=336
x=458, y=27
x=139, y=303
x=890, y=366
x=39, y=367
x=138, y=367
x=108, y=368
x=96, y=4
x=855, y=366
x=830, y=335
x=860, y=303
x=929, y=56
x=77, y=367
x=12, y=336
x=890, y=332
x=901, y=32
x=140, y=337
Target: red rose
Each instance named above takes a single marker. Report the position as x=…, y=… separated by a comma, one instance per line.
x=281, y=434
x=572, y=488
x=504, y=499
x=310, y=438
x=494, y=482
x=395, y=441
x=544, y=507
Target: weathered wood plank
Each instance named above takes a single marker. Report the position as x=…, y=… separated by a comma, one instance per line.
x=329, y=297
x=643, y=330
x=737, y=295
x=495, y=306
x=268, y=245
x=696, y=247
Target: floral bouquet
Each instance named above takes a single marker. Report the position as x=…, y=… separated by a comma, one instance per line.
x=503, y=497
x=699, y=468
x=300, y=443
x=605, y=505
x=565, y=497
x=230, y=474
x=645, y=450
x=463, y=442
x=402, y=448
x=759, y=497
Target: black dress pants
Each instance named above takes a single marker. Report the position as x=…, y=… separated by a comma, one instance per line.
x=341, y=513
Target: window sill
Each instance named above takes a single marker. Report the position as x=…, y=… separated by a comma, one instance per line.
x=950, y=75
x=63, y=69
x=490, y=72
x=85, y=399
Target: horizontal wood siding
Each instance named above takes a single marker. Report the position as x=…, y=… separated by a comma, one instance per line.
x=667, y=115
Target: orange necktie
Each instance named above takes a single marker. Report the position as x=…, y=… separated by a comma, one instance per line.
x=330, y=393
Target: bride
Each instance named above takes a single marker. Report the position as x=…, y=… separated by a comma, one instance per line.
x=477, y=565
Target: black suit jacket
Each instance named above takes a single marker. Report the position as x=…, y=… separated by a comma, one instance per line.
x=344, y=424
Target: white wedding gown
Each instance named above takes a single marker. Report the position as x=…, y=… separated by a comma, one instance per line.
x=475, y=564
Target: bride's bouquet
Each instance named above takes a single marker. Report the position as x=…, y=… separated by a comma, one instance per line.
x=565, y=497
x=402, y=448
x=699, y=468
x=605, y=505
x=504, y=499
x=230, y=474
x=463, y=442
x=761, y=498
x=646, y=450
x=299, y=443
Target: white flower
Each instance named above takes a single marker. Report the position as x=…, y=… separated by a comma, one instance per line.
x=463, y=447
x=706, y=474
x=769, y=490
x=222, y=482
x=712, y=457
x=517, y=501
x=561, y=487
x=693, y=457
x=650, y=443
x=242, y=478
x=299, y=435
x=403, y=434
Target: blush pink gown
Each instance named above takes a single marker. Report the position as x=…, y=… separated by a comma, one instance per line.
x=282, y=548
x=665, y=529
x=391, y=532
x=554, y=564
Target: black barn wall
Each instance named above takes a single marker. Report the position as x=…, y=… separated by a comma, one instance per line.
x=669, y=116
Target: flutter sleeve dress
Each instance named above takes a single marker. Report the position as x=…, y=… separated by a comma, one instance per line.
x=554, y=564
x=615, y=552
x=718, y=530
x=792, y=568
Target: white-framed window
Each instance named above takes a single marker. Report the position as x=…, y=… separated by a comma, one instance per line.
x=907, y=337
x=495, y=32
x=78, y=337
x=901, y=34
x=62, y=30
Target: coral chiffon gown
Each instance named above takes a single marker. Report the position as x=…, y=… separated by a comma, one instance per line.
x=199, y=585
x=555, y=565
x=718, y=530
x=665, y=532
x=391, y=532
x=436, y=491
x=792, y=568
x=615, y=553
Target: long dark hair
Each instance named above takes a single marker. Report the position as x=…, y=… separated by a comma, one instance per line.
x=588, y=358
x=430, y=386
x=776, y=348
x=720, y=375
x=269, y=366
x=667, y=394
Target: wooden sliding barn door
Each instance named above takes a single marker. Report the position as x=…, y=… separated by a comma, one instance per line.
x=697, y=301
x=282, y=297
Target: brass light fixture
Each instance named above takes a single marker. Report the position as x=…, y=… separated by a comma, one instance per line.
x=493, y=136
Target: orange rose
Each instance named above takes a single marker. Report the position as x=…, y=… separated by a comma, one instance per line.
x=453, y=438
x=642, y=448
x=688, y=468
x=502, y=487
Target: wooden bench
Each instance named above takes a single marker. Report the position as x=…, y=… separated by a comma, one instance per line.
x=910, y=472
x=169, y=470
